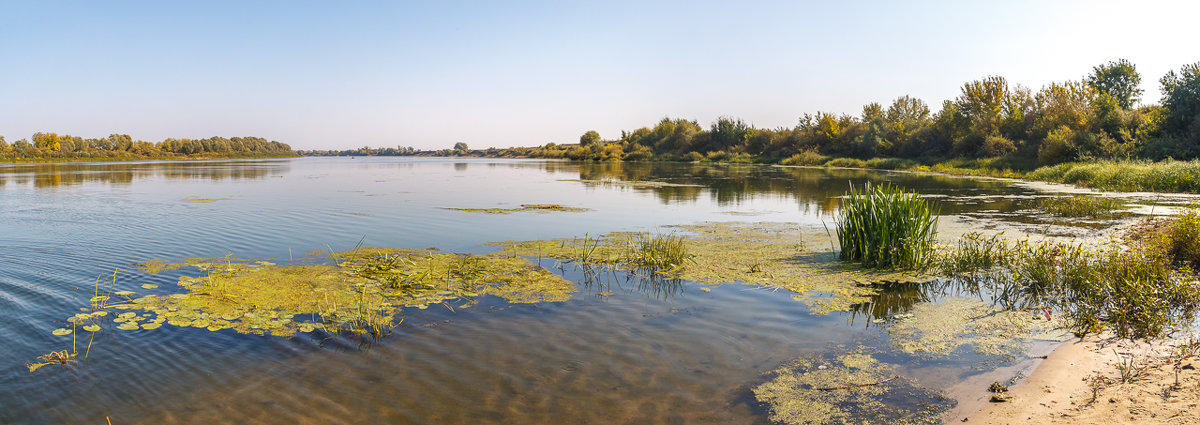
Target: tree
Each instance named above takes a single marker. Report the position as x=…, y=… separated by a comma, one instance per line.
x=1118, y=79
x=1181, y=99
x=460, y=147
x=589, y=139
x=727, y=133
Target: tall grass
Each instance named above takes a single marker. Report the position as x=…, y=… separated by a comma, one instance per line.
x=1080, y=206
x=1136, y=292
x=886, y=227
x=661, y=252
x=1128, y=175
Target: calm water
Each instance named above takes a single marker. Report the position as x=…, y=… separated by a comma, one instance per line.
x=646, y=354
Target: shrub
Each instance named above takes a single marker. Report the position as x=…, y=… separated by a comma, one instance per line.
x=805, y=157
x=847, y=163
x=886, y=227
x=997, y=146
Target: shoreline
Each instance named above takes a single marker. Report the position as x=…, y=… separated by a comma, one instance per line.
x=1060, y=388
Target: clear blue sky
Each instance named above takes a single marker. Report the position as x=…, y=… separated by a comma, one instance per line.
x=512, y=73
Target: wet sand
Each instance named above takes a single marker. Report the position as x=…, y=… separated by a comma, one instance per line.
x=1058, y=390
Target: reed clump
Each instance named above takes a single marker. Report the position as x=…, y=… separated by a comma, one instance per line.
x=886, y=227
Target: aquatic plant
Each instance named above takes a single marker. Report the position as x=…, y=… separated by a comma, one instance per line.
x=1080, y=206
x=661, y=252
x=972, y=253
x=850, y=388
x=886, y=227
x=771, y=255
x=1136, y=291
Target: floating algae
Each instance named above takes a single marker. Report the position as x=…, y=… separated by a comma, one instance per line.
x=362, y=291
x=937, y=329
x=524, y=208
x=763, y=254
x=851, y=388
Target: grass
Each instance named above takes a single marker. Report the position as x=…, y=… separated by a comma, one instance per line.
x=1143, y=291
x=886, y=227
x=1128, y=175
x=1080, y=206
x=665, y=252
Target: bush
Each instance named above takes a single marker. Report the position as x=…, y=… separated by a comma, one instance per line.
x=886, y=227
x=846, y=163
x=997, y=146
x=806, y=157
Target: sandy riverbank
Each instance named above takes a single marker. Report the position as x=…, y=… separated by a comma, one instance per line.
x=1059, y=391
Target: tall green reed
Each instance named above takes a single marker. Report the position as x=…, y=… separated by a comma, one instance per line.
x=886, y=227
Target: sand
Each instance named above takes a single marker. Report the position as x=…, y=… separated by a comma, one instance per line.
x=1058, y=390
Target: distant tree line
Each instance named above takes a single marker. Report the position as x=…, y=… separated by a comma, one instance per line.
x=122, y=146
x=1097, y=117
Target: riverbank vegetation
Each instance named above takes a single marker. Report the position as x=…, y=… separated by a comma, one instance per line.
x=994, y=127
x=47, y=147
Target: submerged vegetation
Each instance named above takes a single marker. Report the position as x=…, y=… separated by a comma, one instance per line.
x=771, y=255
x=886, y=227
x=850, y=388
x=360, y=292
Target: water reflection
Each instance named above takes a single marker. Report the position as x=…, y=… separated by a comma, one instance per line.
x=125, y=173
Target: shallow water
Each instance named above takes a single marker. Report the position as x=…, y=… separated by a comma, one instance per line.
x=647, y=353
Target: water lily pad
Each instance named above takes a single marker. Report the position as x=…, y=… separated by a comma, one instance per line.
x=124, y=293
x=100, y=313
x=92, y=328
x=127, y=315
x=152, y=325
x=99, y=298
x=149, y=285
x=61, y=331
x=128, y=326
x=214, y=328
x=307, y=327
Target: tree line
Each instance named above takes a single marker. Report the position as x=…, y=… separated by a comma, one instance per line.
x=122, y=146
x=1100, y=116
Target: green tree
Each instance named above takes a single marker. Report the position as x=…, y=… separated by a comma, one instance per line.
x=460, y=147
x=589, y=139
x=1118, y=79
x=1181, y=99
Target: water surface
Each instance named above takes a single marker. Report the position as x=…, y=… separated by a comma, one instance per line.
x=622, y=350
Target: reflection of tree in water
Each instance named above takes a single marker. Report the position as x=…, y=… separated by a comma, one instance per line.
x=898, y=298
x=54, y=175
x=813, y=188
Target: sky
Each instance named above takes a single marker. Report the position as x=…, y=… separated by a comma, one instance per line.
x=428, y=74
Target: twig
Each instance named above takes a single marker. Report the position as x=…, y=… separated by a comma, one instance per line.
x=859, y=385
